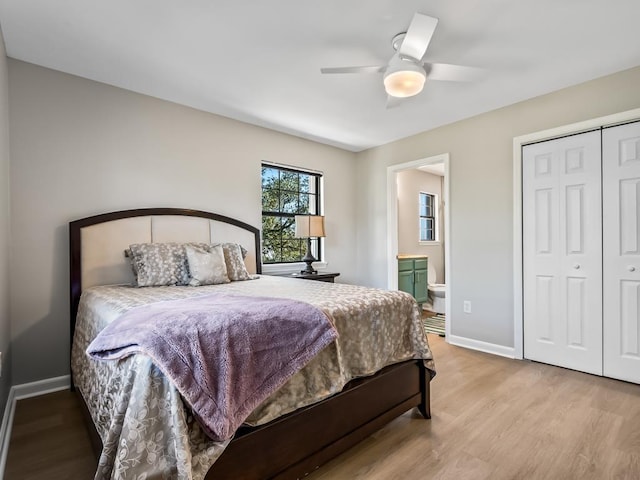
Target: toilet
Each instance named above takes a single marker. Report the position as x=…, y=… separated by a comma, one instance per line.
x=436, y=291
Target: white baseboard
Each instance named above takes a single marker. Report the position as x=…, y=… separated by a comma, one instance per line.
x=493, y=348
x=42, y=387
x=19, y=392
x=5, y=429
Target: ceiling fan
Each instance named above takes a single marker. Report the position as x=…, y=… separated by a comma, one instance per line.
x=406, y=73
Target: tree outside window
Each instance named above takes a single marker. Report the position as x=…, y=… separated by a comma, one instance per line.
x=286, y=193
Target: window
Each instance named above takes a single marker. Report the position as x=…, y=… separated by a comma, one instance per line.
x=287, y=192
x=428, y=208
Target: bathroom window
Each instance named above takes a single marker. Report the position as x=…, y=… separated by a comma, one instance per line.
x=428, y=217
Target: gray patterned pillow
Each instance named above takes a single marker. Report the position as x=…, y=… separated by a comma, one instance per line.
x=233, y=257
x=158, y=264
x=228, y=245
x=206, y=265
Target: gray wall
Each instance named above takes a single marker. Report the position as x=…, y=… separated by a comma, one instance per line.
x=481, y=230
x=80, y=148
x=5, y=324
x=410, y=184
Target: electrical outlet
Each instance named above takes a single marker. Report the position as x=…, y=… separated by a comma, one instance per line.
x=466, y=306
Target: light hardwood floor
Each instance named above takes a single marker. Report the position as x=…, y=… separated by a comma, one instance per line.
x=493, y=418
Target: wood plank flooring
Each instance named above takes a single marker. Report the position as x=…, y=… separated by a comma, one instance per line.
x=493, y=418
x=49, y=440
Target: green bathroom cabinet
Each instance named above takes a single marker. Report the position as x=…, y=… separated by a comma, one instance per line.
x=412, y=277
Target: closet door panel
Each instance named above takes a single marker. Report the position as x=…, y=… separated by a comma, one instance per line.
x=542, y=240
x=562, y=252
x=621, y=251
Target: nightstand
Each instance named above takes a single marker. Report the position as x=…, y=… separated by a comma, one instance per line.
x=320, y=276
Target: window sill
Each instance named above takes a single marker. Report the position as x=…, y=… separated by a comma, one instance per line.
x=430, y=244
x=285, y=268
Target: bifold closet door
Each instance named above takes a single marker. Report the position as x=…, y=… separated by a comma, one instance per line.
x=562, y=252
x=621, y=254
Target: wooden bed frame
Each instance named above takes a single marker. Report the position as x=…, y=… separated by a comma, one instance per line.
x=296, y=444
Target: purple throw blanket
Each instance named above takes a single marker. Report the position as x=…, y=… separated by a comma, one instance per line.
x=224, y=353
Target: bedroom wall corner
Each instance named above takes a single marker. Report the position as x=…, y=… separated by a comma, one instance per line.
x=5, y=322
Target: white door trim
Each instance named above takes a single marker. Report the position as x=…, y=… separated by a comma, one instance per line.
x=392, y=224
x=518, y=142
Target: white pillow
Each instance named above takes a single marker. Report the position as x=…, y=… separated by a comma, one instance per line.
x=206, y=266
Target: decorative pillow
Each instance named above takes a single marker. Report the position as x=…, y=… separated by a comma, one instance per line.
x=233, y=257
x=157, y=264
x=228, y=245
x=243, y=250
x=206, y=265
x=128, y=255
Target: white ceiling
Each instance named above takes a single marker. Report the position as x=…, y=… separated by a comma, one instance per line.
x=259, y=62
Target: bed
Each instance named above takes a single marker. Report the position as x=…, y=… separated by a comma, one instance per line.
x=137, y=420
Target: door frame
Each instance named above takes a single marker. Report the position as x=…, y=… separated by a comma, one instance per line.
x=392, y=224
x=518, y=143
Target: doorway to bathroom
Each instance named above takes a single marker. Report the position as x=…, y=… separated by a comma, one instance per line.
x=418, y=224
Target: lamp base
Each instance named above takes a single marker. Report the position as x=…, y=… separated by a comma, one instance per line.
x=309, y=269
x=308, y=259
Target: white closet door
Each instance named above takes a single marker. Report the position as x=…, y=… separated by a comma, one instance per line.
x=621, y=260
x=562, y=246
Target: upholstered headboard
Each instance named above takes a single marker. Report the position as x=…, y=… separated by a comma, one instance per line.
x=97, y=243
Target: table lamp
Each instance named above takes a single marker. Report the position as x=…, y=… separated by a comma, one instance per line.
x=309, y=226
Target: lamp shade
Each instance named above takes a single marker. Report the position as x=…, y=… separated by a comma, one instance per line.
x=308, y=226
x=404, y=78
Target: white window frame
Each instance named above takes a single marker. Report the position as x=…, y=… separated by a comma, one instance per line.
x=436, y=219
x=294, y=267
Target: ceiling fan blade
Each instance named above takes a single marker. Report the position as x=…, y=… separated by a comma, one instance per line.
x=418, y=36
x=452, y=73
x=369, y=69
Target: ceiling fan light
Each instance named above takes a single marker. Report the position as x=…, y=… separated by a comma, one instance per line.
x=405, y=82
